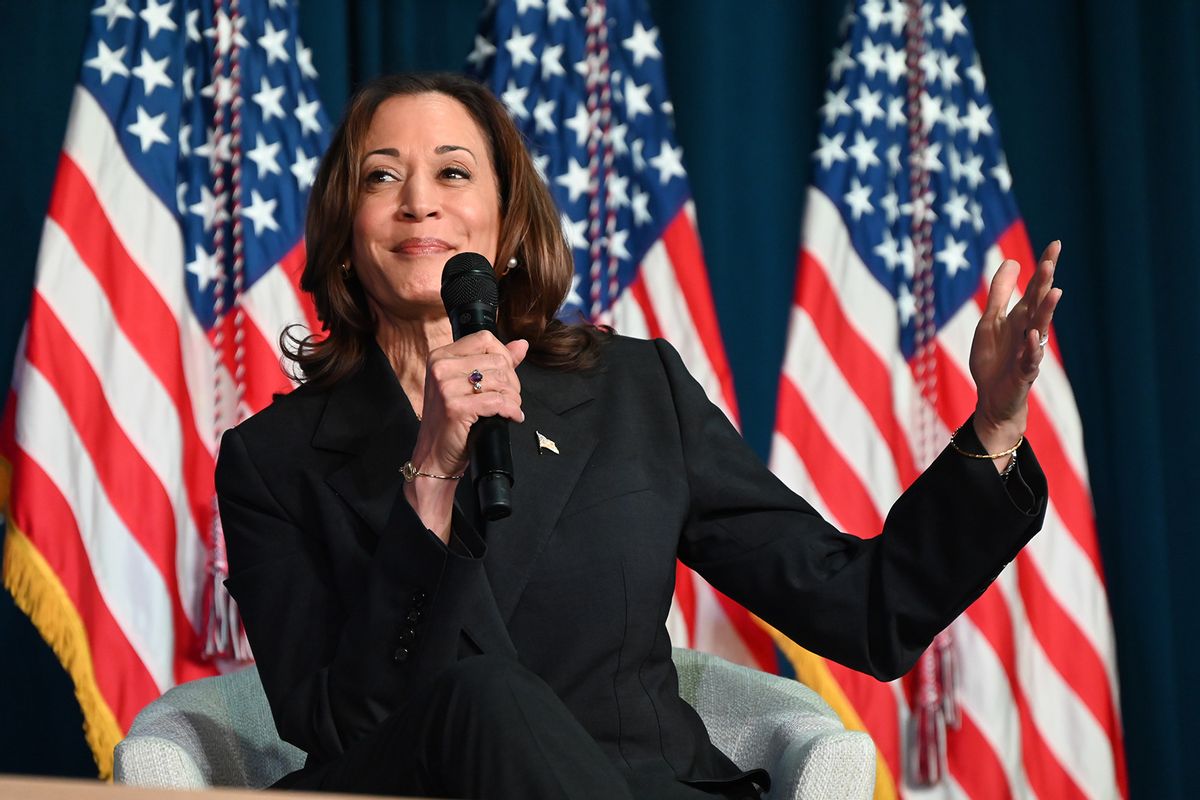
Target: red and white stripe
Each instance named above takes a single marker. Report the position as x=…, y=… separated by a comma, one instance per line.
x=1039, y=685
x=109, y=423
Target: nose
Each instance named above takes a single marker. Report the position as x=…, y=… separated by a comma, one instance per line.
x=418, y=199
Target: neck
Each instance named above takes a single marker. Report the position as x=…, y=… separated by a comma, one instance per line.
x=407, y=344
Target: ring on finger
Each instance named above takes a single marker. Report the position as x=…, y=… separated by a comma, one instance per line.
x=1045, y=337
x=476, y=379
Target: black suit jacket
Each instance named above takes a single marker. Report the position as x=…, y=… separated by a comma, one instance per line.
x=351, y=605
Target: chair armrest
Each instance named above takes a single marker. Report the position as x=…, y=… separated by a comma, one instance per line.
x=762, y=720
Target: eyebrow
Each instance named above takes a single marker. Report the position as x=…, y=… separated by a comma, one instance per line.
x=441, y=149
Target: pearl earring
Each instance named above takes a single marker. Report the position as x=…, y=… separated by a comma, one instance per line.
x=513, y=263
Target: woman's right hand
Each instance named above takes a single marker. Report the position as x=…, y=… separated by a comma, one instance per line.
x=451, y=407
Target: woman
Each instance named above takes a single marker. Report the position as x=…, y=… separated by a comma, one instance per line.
x=411, y=649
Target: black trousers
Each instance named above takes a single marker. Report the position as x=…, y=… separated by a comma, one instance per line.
x=488, y=728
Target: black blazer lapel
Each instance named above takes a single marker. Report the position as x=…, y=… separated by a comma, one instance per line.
x=558, y=406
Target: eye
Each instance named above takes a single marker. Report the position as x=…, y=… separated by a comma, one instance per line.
x=379, y=175
x=456, y=173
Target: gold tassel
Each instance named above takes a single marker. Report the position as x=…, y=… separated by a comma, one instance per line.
x=39, y=593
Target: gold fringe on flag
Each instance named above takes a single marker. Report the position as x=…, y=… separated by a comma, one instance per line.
x=812, y=671
x=39, y=593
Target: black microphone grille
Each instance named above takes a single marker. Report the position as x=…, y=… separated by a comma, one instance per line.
x=469, y=278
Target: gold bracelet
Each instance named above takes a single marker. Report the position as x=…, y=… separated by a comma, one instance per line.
x=992, y=456
x=411, y=473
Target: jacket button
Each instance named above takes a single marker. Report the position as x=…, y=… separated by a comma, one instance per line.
x=408, y=635
x=418, y=598
x=401, y=655
x=414, y=616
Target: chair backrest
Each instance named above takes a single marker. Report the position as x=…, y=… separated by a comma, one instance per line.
x=219, y=732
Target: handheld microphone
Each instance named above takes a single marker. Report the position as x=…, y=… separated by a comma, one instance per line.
x=471, y=296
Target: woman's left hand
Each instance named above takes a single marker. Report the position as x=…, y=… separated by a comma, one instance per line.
x=1008, y=348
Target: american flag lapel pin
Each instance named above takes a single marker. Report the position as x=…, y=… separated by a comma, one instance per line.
x=546, y=444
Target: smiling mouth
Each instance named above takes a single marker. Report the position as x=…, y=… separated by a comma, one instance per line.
x=421, y=246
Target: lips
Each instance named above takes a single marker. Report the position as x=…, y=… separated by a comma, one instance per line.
x=421, y=246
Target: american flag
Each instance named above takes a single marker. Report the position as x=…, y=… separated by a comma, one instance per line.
x=168, y=267
x=910, y=213
x=584, y=81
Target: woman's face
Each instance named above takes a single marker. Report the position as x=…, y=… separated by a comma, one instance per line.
x=429, y=191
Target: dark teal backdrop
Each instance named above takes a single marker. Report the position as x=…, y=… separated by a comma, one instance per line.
x=1099, y=107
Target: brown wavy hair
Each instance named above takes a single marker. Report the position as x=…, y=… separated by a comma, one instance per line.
x=530, y=231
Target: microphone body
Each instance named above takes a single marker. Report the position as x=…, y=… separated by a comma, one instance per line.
x=471, y=297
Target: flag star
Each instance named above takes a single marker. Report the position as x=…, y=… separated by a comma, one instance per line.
x=841, y=61
x=306, y=113
x=871, y=58
x=185, y=139
x=830, y=149
x=668, y=162
x=931, y=110
x=205, y=267
x=109, y=62
x=617, y=245
x=514, y=99
x=906, y=304
x=976, y=120
x=972, y=171
x=540, y=162
x=858, y=199
x=618, y=191
x=278, y=3
x=953, y=256
x=263, y=155
x=896, y=63
x=863, y=152
x=930, y=161
x=304, y=60
x=149, y=129
x=950, y=21
x=543, y=116
x=574, y=233
x=211, y=210
x=952, y=118
x=921, y=208
x=888, y=250
x=576, y=180
x=835, y=105
x=193, y=25
x=484, y=50
x=181, y=190
x=304, y=169
x=113, y=10
x=1002, y=175
x=898, y=16
x=583, y=66
x=929, y=64
x=872, y=11
x=556, y=10
x=268, y=99
x=617, y=135
x=221, y=89
x=977, y=216
x=573, y=297
x=635, y=98
x=552, y=61
x=890, y=203
x=520, y=48
x=975, y=74
x=641, y=45
x=525, y=5
x=956, y=209
x=867, y=104
x=189, y=82
x=157, y=17
x=153, y=73
x=215, y=148
x=893, y=157
x=272, y=42
x=261, y=212
x=949, y=70
x=847, y=20
x=895, y=113
x=639, y=163
x=641, y=206
x=908, y=257
x=227, y=33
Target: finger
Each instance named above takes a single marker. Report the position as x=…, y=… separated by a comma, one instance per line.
x=1045, y=311
x=1004, y=282
x=1051, y=252
x=1040, y=284
x=518, y=349
x=477, y=343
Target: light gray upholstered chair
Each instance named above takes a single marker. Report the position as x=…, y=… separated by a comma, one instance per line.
x=219, y=732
